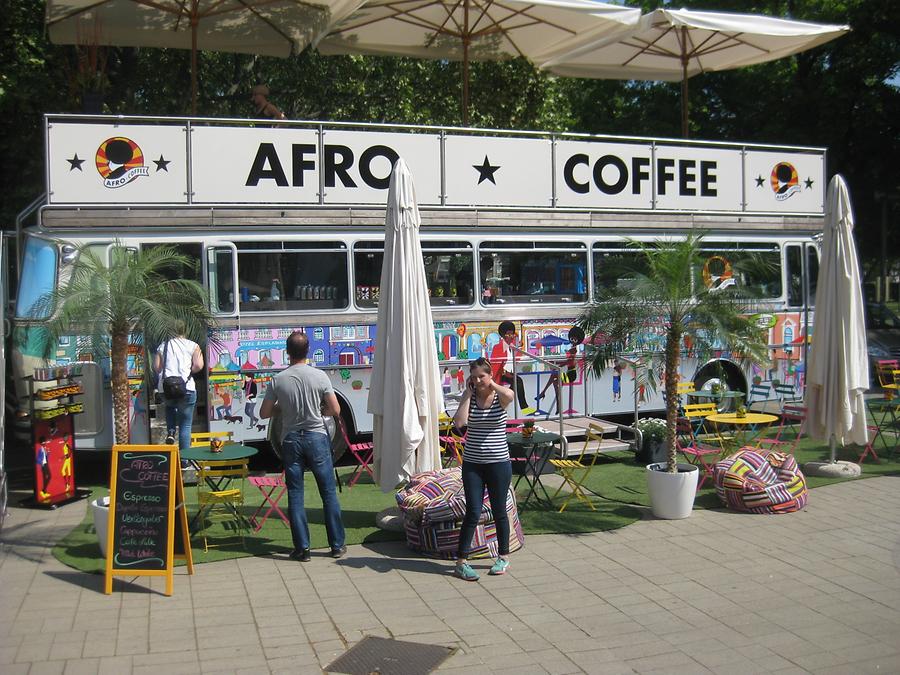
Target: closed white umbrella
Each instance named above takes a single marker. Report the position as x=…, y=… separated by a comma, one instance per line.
x=480, y=30
x=837, y=370
x=405, y=395
x=676, y=44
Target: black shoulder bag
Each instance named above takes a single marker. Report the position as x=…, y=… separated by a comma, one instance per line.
x=174, y=386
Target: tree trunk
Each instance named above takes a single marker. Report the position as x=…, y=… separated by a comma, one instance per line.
x=119, y=382
x=673, y=348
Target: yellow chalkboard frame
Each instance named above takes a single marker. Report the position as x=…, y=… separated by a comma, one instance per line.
x=175, y=509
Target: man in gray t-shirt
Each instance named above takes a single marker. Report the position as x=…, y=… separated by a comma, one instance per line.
x=303, y=396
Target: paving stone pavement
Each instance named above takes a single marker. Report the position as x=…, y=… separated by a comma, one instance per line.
x=816, y=591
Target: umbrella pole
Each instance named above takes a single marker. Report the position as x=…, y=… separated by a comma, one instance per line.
x=832, y=446
x=194, y=61
x=465, y=65
x=684, y=97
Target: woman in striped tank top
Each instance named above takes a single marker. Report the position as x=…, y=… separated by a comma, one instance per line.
x=485, y=462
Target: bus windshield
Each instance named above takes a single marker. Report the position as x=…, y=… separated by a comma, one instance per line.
x=38, y=277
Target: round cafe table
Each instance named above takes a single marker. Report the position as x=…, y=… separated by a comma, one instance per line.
x=229, y=451
x=537, y=450
x=746, y=428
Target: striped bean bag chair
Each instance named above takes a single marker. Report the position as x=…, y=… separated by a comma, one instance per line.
x=761, y=481
x=433, y=506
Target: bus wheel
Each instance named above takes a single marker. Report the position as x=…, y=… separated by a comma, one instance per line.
x=728, y=377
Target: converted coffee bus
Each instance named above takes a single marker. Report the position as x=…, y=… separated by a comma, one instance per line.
x=287, y=226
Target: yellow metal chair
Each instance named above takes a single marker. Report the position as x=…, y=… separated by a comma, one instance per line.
x=575, y=471
x=682, y=389
x=696, y=414
x=202, y=438
x=888, y=376
x=218, y=500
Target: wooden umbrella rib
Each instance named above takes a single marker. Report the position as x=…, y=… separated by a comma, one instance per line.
x=395, y=13
x=644, y=47
x=526, y=12
x=75, y=12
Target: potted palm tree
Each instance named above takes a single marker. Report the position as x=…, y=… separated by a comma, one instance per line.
x=134, y=299
x=669, y=293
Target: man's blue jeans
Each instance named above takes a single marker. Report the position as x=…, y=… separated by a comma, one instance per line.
x=303, y=450
x=180, y=415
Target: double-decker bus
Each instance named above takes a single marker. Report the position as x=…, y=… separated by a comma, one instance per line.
x=287, y=227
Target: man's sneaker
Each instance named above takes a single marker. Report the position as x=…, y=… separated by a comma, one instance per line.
x=338, y=552
x=170, y=440
x=301, y=555
x=499, y=567
x=465, y=572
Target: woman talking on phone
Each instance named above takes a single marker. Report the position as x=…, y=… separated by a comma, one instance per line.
x=485, y=462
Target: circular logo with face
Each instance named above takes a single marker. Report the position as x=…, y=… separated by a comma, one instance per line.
x=785, y=181
x=120, y=161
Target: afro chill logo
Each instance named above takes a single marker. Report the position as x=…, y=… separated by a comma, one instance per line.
x=785, y=181
x=119, y=161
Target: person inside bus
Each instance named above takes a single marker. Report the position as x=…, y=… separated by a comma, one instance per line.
x=259, y=95
x=502, y=356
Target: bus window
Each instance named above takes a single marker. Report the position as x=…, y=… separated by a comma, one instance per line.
x=812, y=273
x=526, y=272
x=794, y=262
x=220, y=277
x=190, y=251
x=752, y=266
x=449, y=272
x=367, y=259
x=615, y=265
x=276, y=276
x=38, y=276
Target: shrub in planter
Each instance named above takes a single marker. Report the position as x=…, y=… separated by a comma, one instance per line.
x=653, y=441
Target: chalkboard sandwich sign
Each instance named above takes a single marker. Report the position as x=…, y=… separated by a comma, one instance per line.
x=147, y=521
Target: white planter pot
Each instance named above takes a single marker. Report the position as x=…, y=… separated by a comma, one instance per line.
x=100, y=507
x=672, y=494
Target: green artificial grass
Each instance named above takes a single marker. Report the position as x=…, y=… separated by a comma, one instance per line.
x=617, y=481
x=359, y=506
x=619, y=478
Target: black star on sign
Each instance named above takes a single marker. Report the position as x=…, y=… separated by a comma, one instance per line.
x=809, y=183
x=162, y=164
x=75, y=163
x=485, y=171
x=759, y=181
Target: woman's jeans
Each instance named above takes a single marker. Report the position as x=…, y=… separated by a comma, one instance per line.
x=496, y=477
x=180, y=415
x=303, y=450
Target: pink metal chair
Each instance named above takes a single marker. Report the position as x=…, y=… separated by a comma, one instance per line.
x=362, y=452
x=792, y=417
x=267, y=485
x=703, y=456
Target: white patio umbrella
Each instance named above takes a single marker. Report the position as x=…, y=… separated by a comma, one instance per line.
x=837, y=371
x=264, y=27
x=405, y=395
x=483, y=30
x=676, y=44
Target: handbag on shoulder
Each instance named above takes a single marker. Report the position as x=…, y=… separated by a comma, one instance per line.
x=174, y=386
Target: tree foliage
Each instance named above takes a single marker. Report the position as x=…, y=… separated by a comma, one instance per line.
x=842, y=96
x=139, y=294
x=670, y=296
